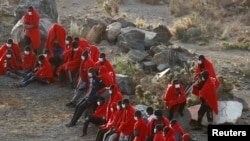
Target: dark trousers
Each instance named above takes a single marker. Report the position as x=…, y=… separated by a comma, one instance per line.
x=180, y=108
x=81, y=107
x=31, y=78
x=204, y=108
x=94, y=120
x=100, y=134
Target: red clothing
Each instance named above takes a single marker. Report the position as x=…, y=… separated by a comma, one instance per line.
x=109, y=67
x=111, y=118
x=84, y=67
x=34, y=32
x=57, y=32
x=29, y=61
x=114, y=98
x=208, y=93
x=94, y=52
x=177, y=128
x=106, y=78
x=71, y=62
x=140, y=125
x=127, y=121
x=15, y=51
x=100, y=111
x=170, y=135
x=8, y=64
x=153, y=122
x=159, y=136
x=83, y=43
x=172, y=99
x=210, y=68
x=45, y=71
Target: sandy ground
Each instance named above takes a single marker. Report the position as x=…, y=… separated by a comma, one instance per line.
x=38, y=113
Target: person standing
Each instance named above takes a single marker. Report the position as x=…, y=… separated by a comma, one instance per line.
x=175, y=98
x=31, y=22
x=208, y=98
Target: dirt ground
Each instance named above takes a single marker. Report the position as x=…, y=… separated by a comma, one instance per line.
x=38, y=112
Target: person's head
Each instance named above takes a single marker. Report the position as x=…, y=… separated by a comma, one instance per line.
x=102, y=57
x=100, y=101
x=119, y=105
x=137, y=115
x=158, y=114
x=165, y=130
x=9, y=43
x=204, y=75
x=27, y=50
x=91, y=72
x=201, y=59
x=157, y=128
x=186, y=137
x=41, y=58
x=77, y=39
x=30, y=10
x=176, y=83
x=75, y=45
x=173, y=122
x=149, y=111
x=45, y=52
x=68, y=40
x=85, y=55
x=125, y=103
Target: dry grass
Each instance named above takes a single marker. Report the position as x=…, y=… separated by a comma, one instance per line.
x=75, y=29
x=140, y=23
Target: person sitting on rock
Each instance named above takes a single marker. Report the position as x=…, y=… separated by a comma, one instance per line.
x=149, y=113
x=14, y=48
x=71, y=64
x=175, y=98
x=158, y=133
x=168, y=133
x=9, y=65
x=139, y=127
x=96, y=84
x=83, y=79
x=98, y=117
x=178, y=130
x=159, y=119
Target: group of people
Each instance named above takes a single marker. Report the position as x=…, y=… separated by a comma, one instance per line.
x=67, y=58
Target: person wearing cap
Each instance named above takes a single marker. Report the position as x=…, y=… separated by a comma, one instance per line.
x=98, y=117
x=83, y=80
x=139, y=127
x=159, y=119
x=44, y=74
x=71, y=64
x=96, y=84
x=175, y=98
x=15, y=51
x=103, y=61
x=31, y=22
x=208, y=98
x=202, y=65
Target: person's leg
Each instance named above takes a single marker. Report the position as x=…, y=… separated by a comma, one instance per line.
x=201, y=112
x=27, y=82
x=182, y=106
x=112, y=137
x=78, y=91
x=41, y=80
x=86, y=124
x=171, y=114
